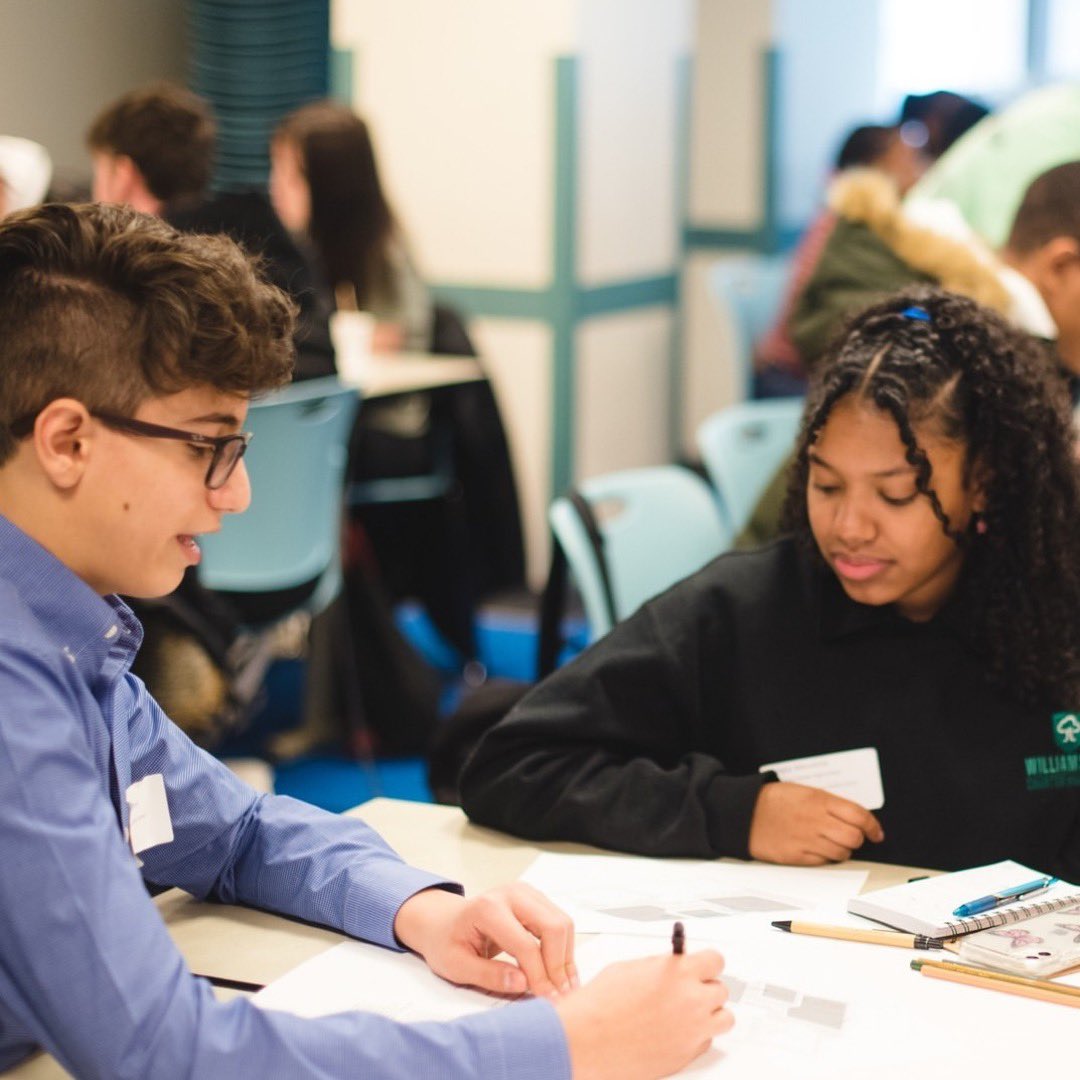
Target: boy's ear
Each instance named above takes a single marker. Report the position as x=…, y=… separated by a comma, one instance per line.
x=1058, y=258
x=63, y=440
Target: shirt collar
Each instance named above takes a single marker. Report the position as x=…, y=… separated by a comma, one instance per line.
x=83, y=625
x=1027, y=309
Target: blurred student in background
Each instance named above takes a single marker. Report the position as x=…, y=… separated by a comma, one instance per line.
x=325, y=186
x=154, y=149
x=985, y=173
x=25, y=172
x=779, y=368
x=933, y=122
x=878, y=246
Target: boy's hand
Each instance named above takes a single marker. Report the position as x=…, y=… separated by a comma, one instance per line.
x=458, y=937
x=805, y=826
x=643, y=1019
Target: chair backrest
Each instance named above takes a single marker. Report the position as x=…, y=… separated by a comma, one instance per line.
x=290, y=534
x=742, y=447
x=749, y=290
x=656, y=526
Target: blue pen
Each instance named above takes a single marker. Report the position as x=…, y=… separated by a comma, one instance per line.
x=1006, y=896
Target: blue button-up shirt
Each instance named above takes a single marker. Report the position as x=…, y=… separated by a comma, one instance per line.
x=87, y=969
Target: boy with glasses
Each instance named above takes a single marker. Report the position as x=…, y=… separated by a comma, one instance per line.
x=128, y=357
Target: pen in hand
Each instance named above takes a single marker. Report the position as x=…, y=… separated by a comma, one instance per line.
x=1006, y=896
x=678, y=939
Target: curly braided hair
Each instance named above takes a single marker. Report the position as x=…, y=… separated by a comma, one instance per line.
x=925, y=356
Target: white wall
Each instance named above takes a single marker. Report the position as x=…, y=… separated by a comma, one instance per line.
x=460, y=94
x=728, y=103
x=630, y=54
x=825, y=55
x=61, y=61
x=828, y=86
x=622, y=384
x=629, y=224
x=461, y=97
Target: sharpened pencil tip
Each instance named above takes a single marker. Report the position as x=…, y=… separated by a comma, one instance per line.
x=783, y=926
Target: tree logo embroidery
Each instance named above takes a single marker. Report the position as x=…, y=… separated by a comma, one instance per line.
x=1067, y=731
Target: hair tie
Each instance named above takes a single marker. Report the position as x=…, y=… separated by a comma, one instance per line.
x=918, y=313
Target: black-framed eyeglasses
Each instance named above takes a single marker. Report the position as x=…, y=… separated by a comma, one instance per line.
x=226, y=450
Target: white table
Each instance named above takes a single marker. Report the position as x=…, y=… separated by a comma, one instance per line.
x=385, y=374
x=253, y=946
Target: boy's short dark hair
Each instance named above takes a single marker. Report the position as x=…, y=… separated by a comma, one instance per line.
x=168, y=132
x=109, y=306
x=1050, y=208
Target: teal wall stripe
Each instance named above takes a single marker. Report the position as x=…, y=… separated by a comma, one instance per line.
x=770, y=126
x=564, y=293
x=770, y=236
x=757, y=239
x=341, y=75
x=1038, y=29
x=497, y=303
x=623, y=295
x=684, y=87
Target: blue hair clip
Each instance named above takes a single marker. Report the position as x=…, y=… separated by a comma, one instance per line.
x=921, y=314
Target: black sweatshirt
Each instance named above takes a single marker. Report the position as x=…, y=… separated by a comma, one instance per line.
x=651, y=740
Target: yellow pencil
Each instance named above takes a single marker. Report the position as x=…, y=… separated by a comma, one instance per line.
x=1039, y=989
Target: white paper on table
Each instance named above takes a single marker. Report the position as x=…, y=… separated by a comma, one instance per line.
x=805, y=1007
x=828, y=1010
x=357, y=976
x=636, y=896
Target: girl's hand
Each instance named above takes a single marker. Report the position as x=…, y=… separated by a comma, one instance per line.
x=805, y=826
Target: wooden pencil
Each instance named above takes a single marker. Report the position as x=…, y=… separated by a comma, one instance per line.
x=1038, y=989
x=867, y=936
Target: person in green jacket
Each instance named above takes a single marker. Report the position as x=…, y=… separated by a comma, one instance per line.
x=878, y=247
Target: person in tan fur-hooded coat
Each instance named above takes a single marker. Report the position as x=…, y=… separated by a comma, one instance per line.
x=876, y=248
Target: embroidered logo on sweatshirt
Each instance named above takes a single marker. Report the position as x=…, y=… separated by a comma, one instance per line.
x=1057, y=770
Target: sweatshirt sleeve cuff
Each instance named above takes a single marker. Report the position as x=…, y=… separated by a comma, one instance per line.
x=522, y=1041
x=369, y=914
x=733, y=799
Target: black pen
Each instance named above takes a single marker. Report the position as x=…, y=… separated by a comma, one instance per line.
x=678, y=939
x=229, y=984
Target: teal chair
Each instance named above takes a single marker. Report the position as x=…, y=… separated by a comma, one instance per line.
x=748, y=290
x=630, y=535
x=290, y=535
x=742, y=447
x=282, y=556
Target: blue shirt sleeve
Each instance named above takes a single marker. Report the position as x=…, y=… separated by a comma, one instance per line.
x=87, y=968
x=271, y=852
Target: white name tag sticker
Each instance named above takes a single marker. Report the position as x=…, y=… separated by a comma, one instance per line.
x=851, y=774
x=149, y=822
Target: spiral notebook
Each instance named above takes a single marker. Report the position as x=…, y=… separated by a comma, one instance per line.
x=925, y=906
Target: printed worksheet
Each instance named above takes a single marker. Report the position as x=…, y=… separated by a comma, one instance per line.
x=628, y=895
x=357, y=976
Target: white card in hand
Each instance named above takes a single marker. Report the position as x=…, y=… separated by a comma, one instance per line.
x=149, y=822
x=851, y=774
